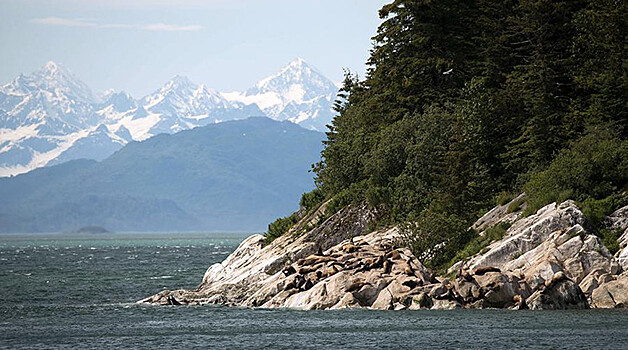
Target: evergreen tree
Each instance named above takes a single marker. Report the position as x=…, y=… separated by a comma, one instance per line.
x=465, y=99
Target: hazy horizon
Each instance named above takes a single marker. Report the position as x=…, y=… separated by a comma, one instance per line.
x=136, y=46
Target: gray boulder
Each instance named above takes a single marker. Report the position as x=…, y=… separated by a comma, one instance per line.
x=612, y=293
x=559, y=293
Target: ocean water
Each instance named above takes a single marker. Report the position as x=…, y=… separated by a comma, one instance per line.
x=68, y=291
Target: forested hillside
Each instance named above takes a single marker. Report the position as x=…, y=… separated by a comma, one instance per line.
x=468, y=103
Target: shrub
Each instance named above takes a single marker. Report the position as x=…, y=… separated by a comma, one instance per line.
x=597, y=209
x=515, y=206
x=609, y=239
x=351, y=195
x=595, y=167
x=539, y=200
x=311, y=200
x=434, y=237
x=280, y=226
x=376, y=196
x=504, y=197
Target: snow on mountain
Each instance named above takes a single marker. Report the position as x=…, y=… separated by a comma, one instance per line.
x=25, y=149
x=50, y=116
x=118, y=101
x=98, y=143
x=52, y=97
x=298, y=93
x=184, y=105
x=43, y=116
x=179, y=105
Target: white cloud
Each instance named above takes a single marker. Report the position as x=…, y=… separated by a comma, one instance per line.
x=78, y=22
x=65, y=22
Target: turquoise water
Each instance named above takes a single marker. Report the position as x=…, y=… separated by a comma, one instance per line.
x=63, y=291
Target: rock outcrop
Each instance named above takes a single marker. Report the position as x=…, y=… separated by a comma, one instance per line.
x=618, y=221
x=558, y=263
x=611, y=292
x=547, y=260
x=501, y=213
x=363, y=271
x=559, y=293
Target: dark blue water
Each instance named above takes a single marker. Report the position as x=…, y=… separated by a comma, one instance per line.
x=61, y=291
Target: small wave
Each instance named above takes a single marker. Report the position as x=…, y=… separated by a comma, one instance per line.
x=101, y=305
x=161, y=277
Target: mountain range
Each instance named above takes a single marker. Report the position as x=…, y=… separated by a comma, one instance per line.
x=50, y=116
x=235, y=175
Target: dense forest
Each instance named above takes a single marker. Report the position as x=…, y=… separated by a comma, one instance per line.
x=469, y=102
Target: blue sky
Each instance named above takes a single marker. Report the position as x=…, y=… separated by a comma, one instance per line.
x=227, y=44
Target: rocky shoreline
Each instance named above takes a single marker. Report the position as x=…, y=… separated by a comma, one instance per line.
x=548, y=260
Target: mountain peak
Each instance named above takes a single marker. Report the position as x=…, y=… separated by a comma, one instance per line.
x=54, y=69
x=64, y=91
x=297, y=71
x=298, y=62
x=297, y=66
x=297, y=92
x=179, y=81
x=121, y=101
x=51, y=66
x=53, y=74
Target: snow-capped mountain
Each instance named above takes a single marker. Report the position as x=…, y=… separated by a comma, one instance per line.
x=50, y=116
x=298, y=93
x=51, y=97
x=178, y=105
x=181, y=104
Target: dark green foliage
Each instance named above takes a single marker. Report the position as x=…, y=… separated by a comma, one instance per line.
x=515, y=206
x=596, y=210
x=601, y=49
x=311, y=200
x=504, y=198
x=466, y=99
x=417, y=42
x=280, y=226
x=610, y=240
x=435, y=238
x=542, y=33
x=344, y=198
x=594, y=168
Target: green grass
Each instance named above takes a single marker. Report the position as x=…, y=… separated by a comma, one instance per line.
x=515, y=206
x=505, y=197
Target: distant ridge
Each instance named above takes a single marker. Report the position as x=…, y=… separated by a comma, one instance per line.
x=235, y=176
